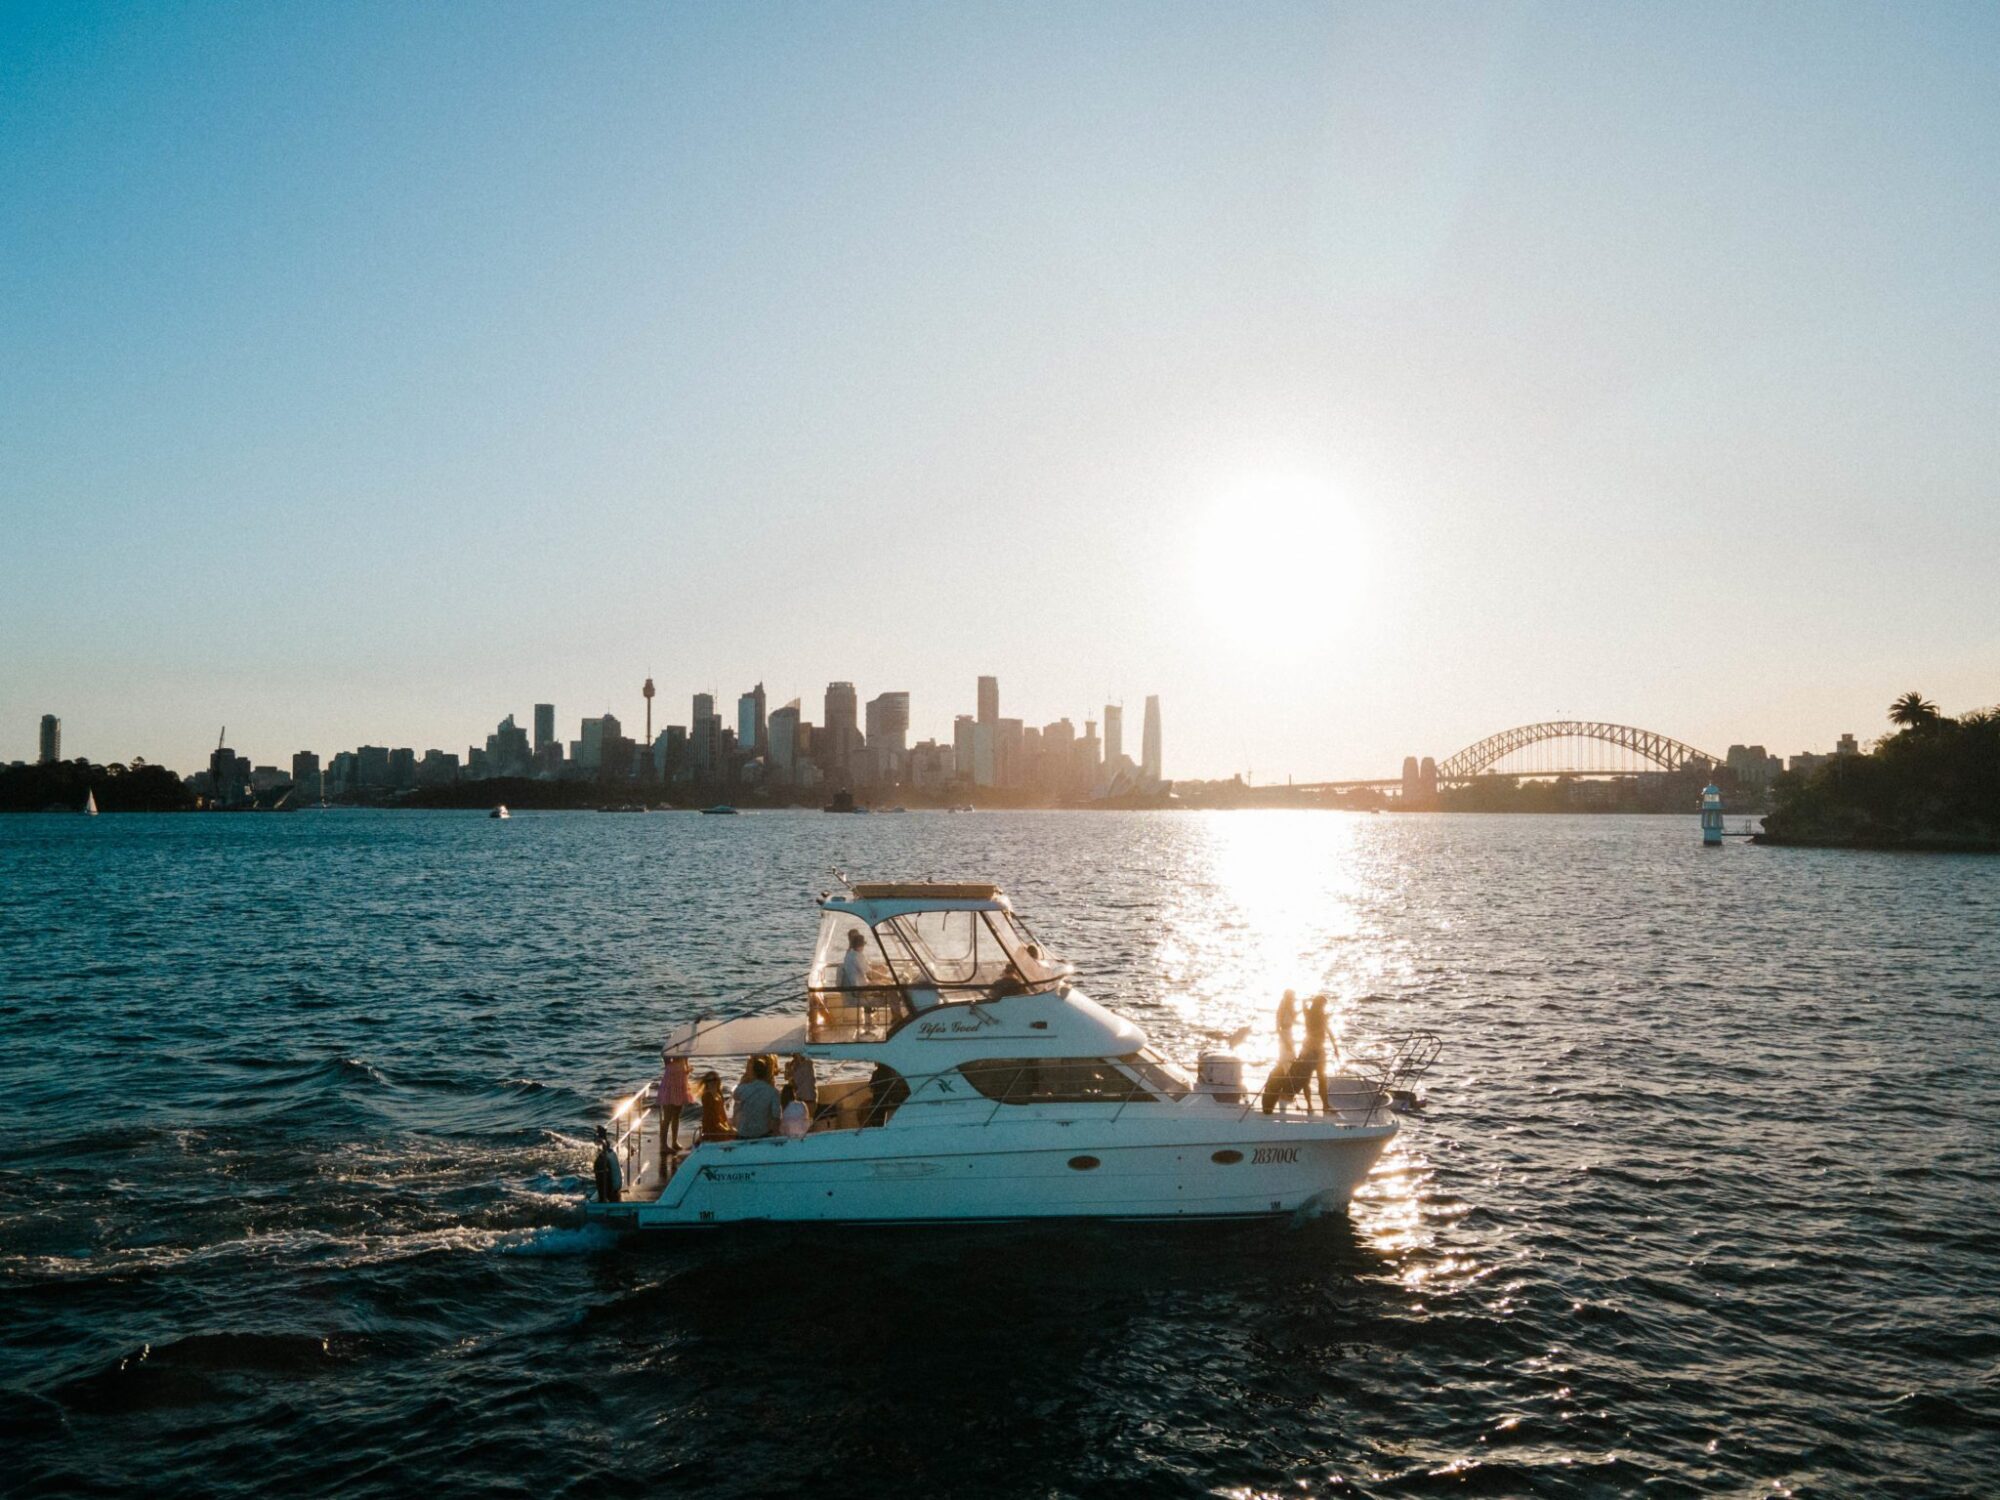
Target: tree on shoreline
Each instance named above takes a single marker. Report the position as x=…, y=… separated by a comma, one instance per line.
x=1936, y=785
x=1914, y=711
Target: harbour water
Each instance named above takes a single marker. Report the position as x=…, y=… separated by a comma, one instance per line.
x=295, y=1115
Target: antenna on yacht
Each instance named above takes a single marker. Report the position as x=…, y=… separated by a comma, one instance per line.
x=841, y=875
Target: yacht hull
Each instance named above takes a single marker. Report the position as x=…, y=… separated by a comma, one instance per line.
x=1057, y=1170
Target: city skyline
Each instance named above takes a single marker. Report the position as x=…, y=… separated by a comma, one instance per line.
x=1361, y=380
x=983, y=748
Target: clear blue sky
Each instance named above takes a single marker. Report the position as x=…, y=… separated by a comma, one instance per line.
x=369, y=372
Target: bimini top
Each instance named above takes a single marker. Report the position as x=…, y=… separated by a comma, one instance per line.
x=877, y=900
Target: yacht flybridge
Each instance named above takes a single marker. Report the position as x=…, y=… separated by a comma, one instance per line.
x=962, y=1077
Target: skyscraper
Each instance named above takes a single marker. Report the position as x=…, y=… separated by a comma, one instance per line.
x=989, y=700
x=753, y=730
x=545, y=726
x=888, y=736
x=51, y=739
x=842, y=734
x=783, y=731
x=1114, y=733
x=889, y=722
x=1149, y=745
x=705, y=736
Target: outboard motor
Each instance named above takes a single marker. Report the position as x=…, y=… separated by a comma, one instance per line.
x=1220, y=1074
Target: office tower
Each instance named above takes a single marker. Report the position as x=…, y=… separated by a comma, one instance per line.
x=545, y=727
x=782, y=730
x=1007, y=738
x=646, y=692
x=228, y=778
x=964, y=751
x=1149, y=744
x=1114, y=733
x=753, y=729
x=507, y=752
x=889, y=722
x=843, y=734
x=51, y=739
x=590, y=745
x=403, y=763
x=306, y=774
x=1086, y=758
x=372, y=765
x=989, y=700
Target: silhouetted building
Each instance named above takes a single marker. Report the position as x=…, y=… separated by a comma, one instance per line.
x=753, y=730
x=545, y=728
x=306, y=775
x=588, y=751
x=1114, y=732
x=1149, y=744
x=1752, y=766
x=888, y=736
x=403, y=768
x=228, y=777
x=646, y=692
x=1846, y=746
x=372, y=766
x=507, y=751
x=964, y=747
x=782, y=732
x=989, y=700
x=344, y=775
x=842, y=732
x=51, y=750
x=705, y=737
x=439, y=768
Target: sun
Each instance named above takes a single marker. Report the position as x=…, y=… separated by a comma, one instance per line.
x=1279, y=562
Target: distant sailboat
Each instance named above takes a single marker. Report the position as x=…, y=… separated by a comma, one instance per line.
x=90, y=804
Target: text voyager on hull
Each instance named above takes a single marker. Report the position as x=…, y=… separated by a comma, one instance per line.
x=960, y=1076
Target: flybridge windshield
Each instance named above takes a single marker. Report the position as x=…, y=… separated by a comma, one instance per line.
x=949, y=951
x=954, y=950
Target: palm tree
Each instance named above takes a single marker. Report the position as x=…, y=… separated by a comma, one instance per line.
x=1913, y=711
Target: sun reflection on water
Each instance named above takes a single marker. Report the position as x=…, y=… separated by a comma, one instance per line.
x=1309, y=902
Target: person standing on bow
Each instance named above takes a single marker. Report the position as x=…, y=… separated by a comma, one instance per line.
x=1288, y=1011
x=1312, y=1055
x=674, y=1096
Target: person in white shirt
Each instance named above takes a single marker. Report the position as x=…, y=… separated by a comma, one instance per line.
x=794, y=1120
x=854, y=966
x=803, y=1083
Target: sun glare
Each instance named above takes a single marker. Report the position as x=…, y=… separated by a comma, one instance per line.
x=1279, y=563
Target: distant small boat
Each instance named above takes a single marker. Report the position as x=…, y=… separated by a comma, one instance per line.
x=500, y=812
x=843, y=802
x=90, y=804
x=720, y=810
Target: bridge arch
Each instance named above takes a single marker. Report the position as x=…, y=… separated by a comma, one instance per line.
x=1666, y=753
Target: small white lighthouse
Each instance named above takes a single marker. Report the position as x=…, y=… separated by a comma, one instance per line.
x=1711, y=814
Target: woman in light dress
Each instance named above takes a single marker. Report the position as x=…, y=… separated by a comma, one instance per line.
x=674, y=1097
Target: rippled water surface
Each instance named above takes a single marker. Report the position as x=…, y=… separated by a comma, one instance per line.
x=294, y=1113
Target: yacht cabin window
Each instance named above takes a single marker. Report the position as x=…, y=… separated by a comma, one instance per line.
x=1052, y=1080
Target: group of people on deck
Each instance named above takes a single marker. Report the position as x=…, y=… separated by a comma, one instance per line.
x=756, y=1108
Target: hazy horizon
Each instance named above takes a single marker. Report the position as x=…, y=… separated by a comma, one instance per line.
x=1360, y=380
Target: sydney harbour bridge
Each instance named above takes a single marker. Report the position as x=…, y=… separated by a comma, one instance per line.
x=1555, y=747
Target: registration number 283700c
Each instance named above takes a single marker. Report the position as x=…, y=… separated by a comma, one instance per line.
x=1270, y=1155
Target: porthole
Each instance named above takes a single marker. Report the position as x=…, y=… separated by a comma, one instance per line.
x=1083, y=1163
x=1226, y=1158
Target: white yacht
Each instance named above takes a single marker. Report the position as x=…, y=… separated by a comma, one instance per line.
x=965, y=1078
